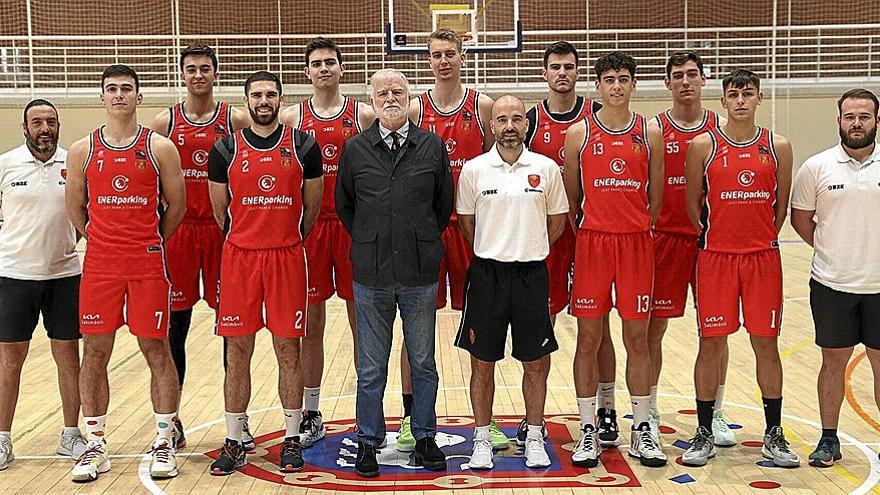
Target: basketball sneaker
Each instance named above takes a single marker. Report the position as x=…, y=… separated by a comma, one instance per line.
x=247, y=438
x=645, y=448
x=481, y=458
x=724, y=436
x=499, y=439
x=701, y=450
x=609, y=433
x=163, y=462
x=5, y=452
x=93, y=461
x=776, y=448
x=654, y=421
x=71, y=444
x=522, y=431
x=312, y=428
x=405, y=440
x=231, y=458
x=179, y=436
x=291, y=455
x=536, y=454
x=586, y=451
x=826, y=452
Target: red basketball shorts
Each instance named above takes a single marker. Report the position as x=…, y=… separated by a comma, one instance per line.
x=146, y=303
x=558, y=268
x=724, y=280
x=193, y=250
x=454, y=265
x=327, y=254
x=675, y=259
x=603, y=260
x=251, y=278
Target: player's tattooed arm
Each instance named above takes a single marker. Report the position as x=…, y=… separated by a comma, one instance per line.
x=575, y=137
x=75, y=193
x=173, y=188
x=655, y=170
x=784, y=155
x=695, y=166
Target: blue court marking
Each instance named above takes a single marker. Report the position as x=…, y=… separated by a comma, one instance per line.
x=681, y=444
x=681, y=479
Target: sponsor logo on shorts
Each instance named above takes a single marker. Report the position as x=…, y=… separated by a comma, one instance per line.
x=230, y=321
x=585, y=303
x=714, y=322
x=662, y=303
x=91, y=319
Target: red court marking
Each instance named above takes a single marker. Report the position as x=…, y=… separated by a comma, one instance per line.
x=688, y=411
x=678, y=461
x=666, y=430
x=753, y=443
x=764, y=485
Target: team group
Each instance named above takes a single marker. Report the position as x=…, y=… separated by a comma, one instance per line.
x=524, y=212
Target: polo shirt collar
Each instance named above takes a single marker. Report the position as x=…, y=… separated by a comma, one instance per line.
x=496, y=161
x=843, y=157
x=25, y=156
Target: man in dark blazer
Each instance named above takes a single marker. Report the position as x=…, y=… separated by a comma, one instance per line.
x=394, y=194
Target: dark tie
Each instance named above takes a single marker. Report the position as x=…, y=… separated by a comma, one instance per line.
x=395, y=144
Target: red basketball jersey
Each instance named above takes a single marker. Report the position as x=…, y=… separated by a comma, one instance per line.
x=614, y=177
x=123, y=209
x=673, y=216
x=265, y=185
x=330, y=133
x=194, y=141
x=740, y=180
x=549, y=138
x=461, y=129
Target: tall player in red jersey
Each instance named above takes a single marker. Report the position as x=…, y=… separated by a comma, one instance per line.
x=194, y=125
x=738, y=181
x=125, y=194
x=613, y=177
x=265, y=185
x=675, y=238
x=549, y=120
x=330, y=118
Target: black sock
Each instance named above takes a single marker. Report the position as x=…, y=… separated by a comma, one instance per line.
x=407, y=404
x=772, y=413
x=705, y=410
x=829, y=432
x=178, y=328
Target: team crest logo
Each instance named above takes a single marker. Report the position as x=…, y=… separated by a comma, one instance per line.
x=617, y=166
x=764, y=159
x=266, y=183
x=329, y=151
x=534, y=180
x=347, y=132
x=200, y=157
x=140, y=160
x=637, y=143
x=64, y=173
x=219, y=130
x=746, y=178
x=286, y=158
x=330, y=462
x=120, y=183
x=450, y=146
x=347, y=122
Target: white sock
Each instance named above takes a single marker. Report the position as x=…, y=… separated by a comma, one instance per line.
x=481, y=432
x=587, y=410
x=535, y=432
x=234, y=425
x=69, y=430
x=311, y=398
x=606, y=395
x=95, y=426
x=640, y=409
x=719, y=398
x=165, y=425
x=292, y=420
x=652, y=402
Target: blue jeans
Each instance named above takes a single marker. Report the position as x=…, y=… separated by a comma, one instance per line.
x=375, y=310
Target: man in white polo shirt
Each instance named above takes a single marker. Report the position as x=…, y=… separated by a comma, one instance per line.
x=511, y=206
x=39, y=271
x=833, y=208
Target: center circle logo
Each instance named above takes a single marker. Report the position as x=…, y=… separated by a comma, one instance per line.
x=450, y=146
x=562, y=153
x=617, y=165
x=329, y=151
x=746, y=178
x=200, y=157
x=266, y=183
x=120, y=183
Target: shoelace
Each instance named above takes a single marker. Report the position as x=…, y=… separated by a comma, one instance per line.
x=365, y=450
x=585, y=442
x=534, y=444
x=162, y=452
x=288, y=448
x=698, y=442
x=88, y=456
x=647, y=441
x=780, y=443
x=231, y=451
x=826, y=444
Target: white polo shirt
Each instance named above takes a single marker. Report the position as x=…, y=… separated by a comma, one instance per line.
x=37, y=240
x=845, y=195
x=511, y=204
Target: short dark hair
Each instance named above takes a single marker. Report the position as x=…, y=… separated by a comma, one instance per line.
x=199, y=50
x=320, y=42
x=681, y=58
x=37, y=102
x=560, y=48
x=858, y=94
x=615, y=61
x=261, y=75
x=121, y=70
x=740, y=78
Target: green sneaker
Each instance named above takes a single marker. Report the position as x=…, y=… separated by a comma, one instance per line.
x=499, y=439
x=826, y=452
x=405, y=440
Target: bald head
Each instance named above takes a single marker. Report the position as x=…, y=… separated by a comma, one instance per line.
x=509, y=122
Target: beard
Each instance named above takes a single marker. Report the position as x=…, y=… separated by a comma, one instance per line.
x=509, y=141
x=264, y=120
x=34, y=143
x=857, y=144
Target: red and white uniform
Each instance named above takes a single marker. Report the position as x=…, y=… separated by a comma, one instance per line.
x=195, y=246
x=125, y=260
x=739, y=253
x=263, y=256
x=462, y=131
x=613, y=242
x=549, y=140
x=675, y=237
x=329, y=243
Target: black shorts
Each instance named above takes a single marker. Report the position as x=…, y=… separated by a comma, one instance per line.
x=499, y=294
x=22, y=301
x=844, y=319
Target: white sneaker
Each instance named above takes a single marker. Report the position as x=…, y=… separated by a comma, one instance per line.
x=93, y=461
x=163, y=463
x=73, y=444
x=536, y=455
x=654, y=422
x=724, y=436
x=776, y=448
x=311, y=429
x=481, y=458
x=586, y=451
x=5, y=453
x=701, y=450
x=247, y=438
x=643, y=447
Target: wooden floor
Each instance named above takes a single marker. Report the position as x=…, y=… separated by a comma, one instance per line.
x=130, y=424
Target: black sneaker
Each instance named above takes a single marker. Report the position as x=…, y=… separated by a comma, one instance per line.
x=291, y=456
x=179, y=437
x=231, y=458
x=522, y=431
x=429, y=455
x=247, y=439
x=366, y=464
x=609, y=434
